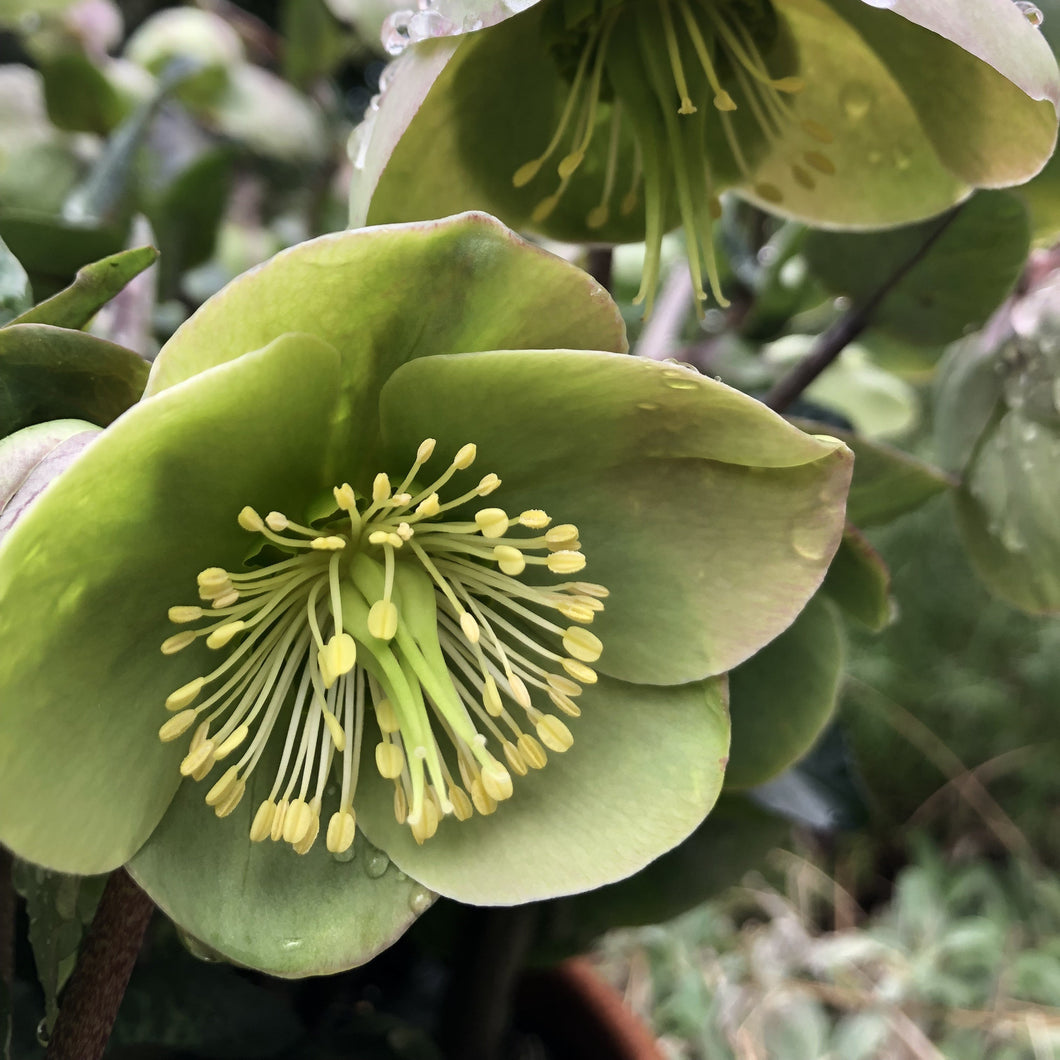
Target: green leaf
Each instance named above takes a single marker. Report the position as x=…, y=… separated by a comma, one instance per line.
x=735, y=838
x=939, y=299
x=859, y=582
x=887, y=482
x=59, y=909
x=78, y=95
x=645, y=453
x=315, y=41
x=781, y=698
x=101, y=704
x=1009, y=512
x=261, y=903
x=52, y=249
x=93, y=287
x=15, y=295
x=631, y=743
x=50, y=373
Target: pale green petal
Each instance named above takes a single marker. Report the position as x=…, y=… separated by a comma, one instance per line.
x=262, y=904
x=645, y=767
x=709, y=518
x=87, y=575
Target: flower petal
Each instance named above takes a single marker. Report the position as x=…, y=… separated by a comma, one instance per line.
x=711, y=520
x=645, y=767
x=261, y=904
x=87, y=575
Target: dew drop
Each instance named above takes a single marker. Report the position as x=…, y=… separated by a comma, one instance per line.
x=420, y=900
x=1011, y=538
x=376, y=865
x=1031, y=12
x=856, y=100
x=43, y=1037
x=681, y=379
x=395, y=35
x=648, y=406
x=808, y=541
x=901, y=158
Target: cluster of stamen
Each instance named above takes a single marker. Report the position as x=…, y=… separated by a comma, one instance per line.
x=396, y=610
x=686, y=53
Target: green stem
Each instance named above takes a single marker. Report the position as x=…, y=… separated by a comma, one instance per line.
x=93, y=995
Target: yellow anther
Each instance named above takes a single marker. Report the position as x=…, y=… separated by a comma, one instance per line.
x=509, y=559
x=545, y=207
x=564, y=703
x=197, y=757
x=250, y=520
x=562, y=684
x=425, y=451
x=492, y=522
x=569, y=163
x=534, y=519
x=487, y=484
x=559, y=534
x=389, y=760
x=579, y=671
x=342, y=830
x=425, y=824
x=821, y=162
x=401, y=805
x=482, y=800
x=232, y=742
x=723, y=101
x=769, y=192
x=394, y=540
x=226, y=599
x=185, y=614
x=566, y=562
x=213, y=578
x=278, y=820
x=386, y=716
x=470, y=627
x=532, y=752
x=261, y=826
x=177, y=726
x=577, y=610
x=185, y=695
x=277, y=521
x=431, y=506
x=220, y=791
x=601, y=592
x=234, y=798
x=462, y=808
x=790, y=85
x=520, y=693
x=491, y=698
x=381, y=487
x=379, y=537
x=383, y=619
x=526, y=172
x=223, y=634
x=496, y=781
x=331, y=543
x=345, y=498
x=821, y=133
x=514, y=758
x=178, y=642
x=553, y=733
x=597, y=216
x=582, y=644
x=337, y=657
x=297, y=822
x=336, y=731
x=465, y=456
x=305, y=844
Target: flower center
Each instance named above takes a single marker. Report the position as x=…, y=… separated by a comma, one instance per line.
x=389, y=609
x=674, y=76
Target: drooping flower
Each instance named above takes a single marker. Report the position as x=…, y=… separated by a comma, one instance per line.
x=365, y=635
x=617, y=120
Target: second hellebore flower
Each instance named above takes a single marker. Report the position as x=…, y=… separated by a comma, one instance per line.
x=429, y=562
x=617, y=120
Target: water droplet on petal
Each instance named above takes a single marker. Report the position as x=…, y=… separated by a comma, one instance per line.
x=376, y=865
x=43, y=1037
x=856, y=99
x=1031, y=12
x=420, y=900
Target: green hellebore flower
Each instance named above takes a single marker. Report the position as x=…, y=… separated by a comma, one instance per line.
x=617, y=120
x=365, y=636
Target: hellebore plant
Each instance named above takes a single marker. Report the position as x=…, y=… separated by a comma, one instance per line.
x=443, y=584
x=617, y=120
